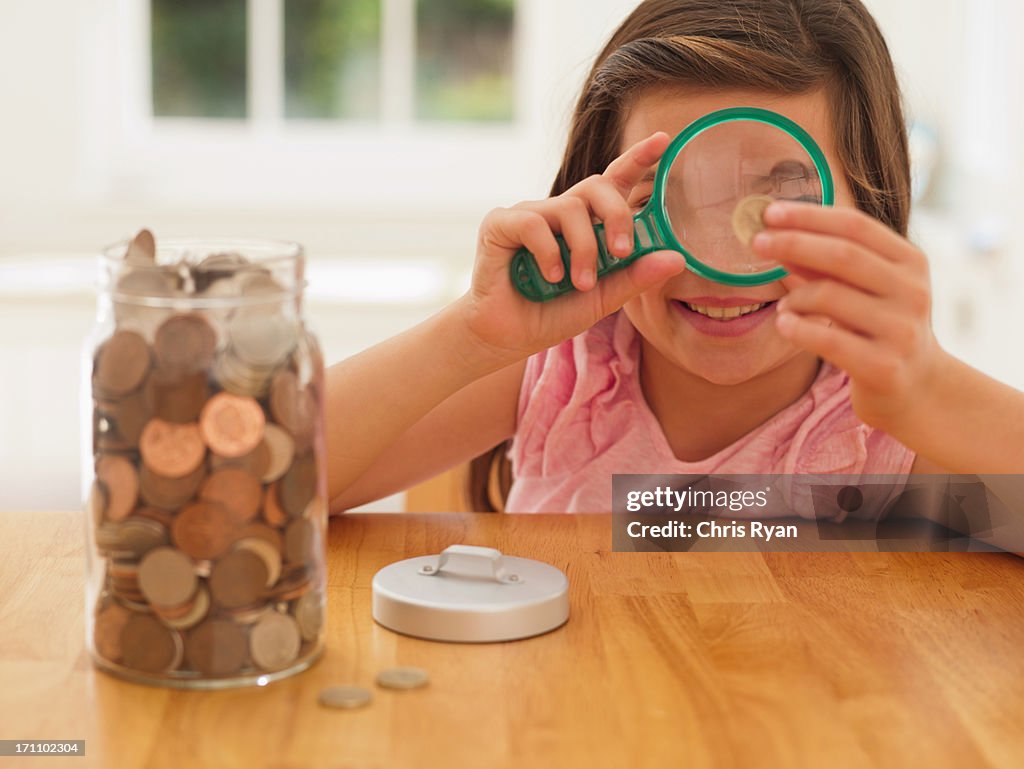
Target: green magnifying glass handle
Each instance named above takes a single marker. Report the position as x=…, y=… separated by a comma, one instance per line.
x=528, y=280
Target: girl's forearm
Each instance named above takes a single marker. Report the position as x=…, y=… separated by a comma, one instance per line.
x=374, y=397
x=966, y=422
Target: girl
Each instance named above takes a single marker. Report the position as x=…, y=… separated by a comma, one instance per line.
x=836, y=368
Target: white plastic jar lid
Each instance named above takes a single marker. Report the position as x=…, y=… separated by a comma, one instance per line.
x=470, y=594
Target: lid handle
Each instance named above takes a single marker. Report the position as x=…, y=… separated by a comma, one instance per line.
x=471, y=561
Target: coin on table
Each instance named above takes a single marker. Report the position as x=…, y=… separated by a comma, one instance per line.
x=203, y=530
x=121, y=365
x=274, y=641
x=172, y=450
x=217, y=647
x=167, y=577
x=232, y=425
x=185, y=342
x=149, y=646
x=121, y=482
x=238, y=579
x=747, y=217
x=403, y=678
x=236, y=491
x=345, y=697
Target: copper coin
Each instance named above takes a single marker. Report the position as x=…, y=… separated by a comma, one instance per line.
x=171, y=450
x=274, y=641
x=96, y=505
x=217, y=647
x=131, y=538
x=185, y=342
x=142, y=249
x=295, y=582
x=197, y=611
x=255, y=462
x=297, y=486
x=273, y=513
x=238, y=579
x=293, y=407
x=121, y=364
x=118, y=423
x=162, y=517
x=167, y=577
x=169, y=493
x=148, y=646
x=748, y=217
x=280, y=450
x=267, y=552
x=309, y=614
x=176, y=395
x=232, y=425
x=203, y=530
x=262, y=531
x=236, y=491
x=106, y=635
x=299, y=541
x=121, y=481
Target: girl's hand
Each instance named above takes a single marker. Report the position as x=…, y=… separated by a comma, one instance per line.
x=874, y=288
x=506, y=327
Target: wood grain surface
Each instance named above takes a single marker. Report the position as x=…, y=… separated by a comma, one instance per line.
x=698, y=659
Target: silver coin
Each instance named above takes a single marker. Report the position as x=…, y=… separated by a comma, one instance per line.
x=403, y=678
x=345, y=697
x=261, y=339
x=747, y=217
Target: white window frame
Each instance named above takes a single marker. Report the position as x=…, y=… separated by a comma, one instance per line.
x=268, y=161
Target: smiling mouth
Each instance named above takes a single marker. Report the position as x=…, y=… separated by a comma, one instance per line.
x=726, y=313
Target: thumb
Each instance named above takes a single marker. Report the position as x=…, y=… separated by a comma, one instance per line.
x=647, y=271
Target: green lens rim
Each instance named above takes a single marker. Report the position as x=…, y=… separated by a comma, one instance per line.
x=657, y=211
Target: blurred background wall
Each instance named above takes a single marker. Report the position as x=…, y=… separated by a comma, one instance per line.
x=378, y=133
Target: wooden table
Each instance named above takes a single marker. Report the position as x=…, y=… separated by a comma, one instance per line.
x=696, y=659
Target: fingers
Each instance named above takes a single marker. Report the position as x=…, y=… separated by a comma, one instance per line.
x=608, y=205
x=830, y=256
x=865, y=314
x=627, y=170
x=509, y=229
x=619, y=287
x=846, y=223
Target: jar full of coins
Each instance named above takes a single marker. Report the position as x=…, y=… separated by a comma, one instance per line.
x=204, y=475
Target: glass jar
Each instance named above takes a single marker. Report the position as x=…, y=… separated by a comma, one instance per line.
x=203, y=465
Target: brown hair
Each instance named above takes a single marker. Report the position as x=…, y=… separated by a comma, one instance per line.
x=778, y=46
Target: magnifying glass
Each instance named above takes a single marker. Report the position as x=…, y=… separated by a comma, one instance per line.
x=710, y=190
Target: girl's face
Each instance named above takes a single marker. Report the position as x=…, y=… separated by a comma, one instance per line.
x=732, y=351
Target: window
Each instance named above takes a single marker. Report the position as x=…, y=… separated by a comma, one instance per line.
x=390, y=61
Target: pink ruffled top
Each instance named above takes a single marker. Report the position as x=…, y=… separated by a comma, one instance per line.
x=583, y=417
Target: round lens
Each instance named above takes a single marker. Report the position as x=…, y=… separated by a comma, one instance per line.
x=719, y=184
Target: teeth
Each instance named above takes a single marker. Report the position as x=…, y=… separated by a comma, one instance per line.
x=726, y=313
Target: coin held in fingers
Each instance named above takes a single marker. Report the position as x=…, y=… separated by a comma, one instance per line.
x=748, y=217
